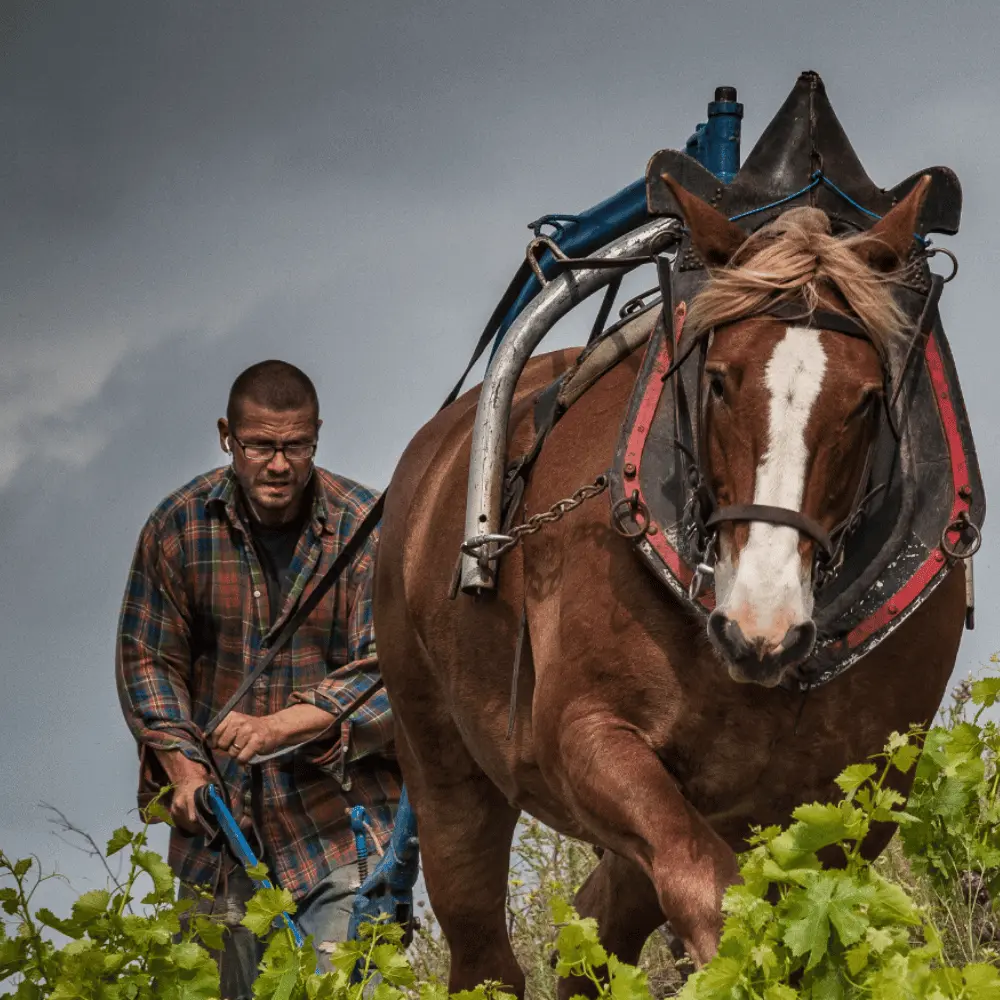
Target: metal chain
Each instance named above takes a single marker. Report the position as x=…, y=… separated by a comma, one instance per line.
x=536, y=522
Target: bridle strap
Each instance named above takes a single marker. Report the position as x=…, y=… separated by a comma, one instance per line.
x=796, y=311
x=774, y=515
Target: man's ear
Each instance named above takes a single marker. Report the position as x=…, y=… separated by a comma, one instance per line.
x=224, y=437
x=887, y=244
x=714, y=237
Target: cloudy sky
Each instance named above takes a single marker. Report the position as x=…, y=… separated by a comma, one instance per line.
x=191, y=187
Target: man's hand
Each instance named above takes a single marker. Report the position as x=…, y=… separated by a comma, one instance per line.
x=187, y=776
x=244, y=736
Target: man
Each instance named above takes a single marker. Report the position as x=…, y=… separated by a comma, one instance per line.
x=220, y=565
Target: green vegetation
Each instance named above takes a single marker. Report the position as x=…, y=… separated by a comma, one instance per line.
x=920, y=922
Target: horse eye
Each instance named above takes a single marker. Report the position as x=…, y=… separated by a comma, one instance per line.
x=866, y=406
x=716, y=385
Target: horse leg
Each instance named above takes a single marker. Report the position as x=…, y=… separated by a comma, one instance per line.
x=620, y=791
x=621, y=898
x=466, y=828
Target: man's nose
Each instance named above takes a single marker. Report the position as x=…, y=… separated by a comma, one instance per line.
x=278, y=462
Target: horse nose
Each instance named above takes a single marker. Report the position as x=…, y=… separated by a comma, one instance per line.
x=759, y=658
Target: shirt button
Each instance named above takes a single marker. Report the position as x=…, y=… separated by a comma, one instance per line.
x=256, y=593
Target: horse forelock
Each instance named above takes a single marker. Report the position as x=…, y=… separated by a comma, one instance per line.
x=797, y=257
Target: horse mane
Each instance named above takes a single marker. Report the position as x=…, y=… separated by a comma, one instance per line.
x=792, y=259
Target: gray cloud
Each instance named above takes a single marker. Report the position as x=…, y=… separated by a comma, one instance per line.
x=189, y=188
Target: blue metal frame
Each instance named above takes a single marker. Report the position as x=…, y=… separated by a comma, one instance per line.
x=715, y=144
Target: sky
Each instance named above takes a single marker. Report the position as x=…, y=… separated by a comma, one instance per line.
x=189, y=188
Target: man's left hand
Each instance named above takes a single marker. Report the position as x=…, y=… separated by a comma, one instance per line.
x=245, y=736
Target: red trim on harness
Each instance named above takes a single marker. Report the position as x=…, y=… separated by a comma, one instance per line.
x=935, y=562
x=921, y=577
x=634, y=450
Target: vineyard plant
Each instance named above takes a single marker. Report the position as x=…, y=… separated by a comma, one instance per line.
x=919, y=922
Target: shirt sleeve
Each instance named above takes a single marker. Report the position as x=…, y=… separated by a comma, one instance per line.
x=153, y=652
x=353, y=667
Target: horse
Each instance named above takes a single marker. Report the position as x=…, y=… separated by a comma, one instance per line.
x=638, y=730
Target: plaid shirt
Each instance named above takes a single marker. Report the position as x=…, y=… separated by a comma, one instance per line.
x=193, y=619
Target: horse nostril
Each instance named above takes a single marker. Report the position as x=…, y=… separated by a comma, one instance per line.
x=728, y=635
x=760, y=653
x=798, y=643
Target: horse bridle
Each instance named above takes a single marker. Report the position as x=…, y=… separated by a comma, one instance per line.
x=704, y=513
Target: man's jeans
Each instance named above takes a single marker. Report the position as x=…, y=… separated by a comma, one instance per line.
x=324, y=914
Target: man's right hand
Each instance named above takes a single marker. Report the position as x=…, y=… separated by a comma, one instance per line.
x=182, y=809
x=187, y=776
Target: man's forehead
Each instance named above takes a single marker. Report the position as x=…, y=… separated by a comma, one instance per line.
x=257, y=419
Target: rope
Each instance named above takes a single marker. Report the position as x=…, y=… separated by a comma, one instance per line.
x=820, y=178
x=817, y=177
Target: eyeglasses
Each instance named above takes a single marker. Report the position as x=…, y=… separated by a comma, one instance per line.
x=265, y=452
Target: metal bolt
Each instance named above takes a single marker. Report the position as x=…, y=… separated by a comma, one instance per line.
x=965, y=492
x=629, y=470
x=652, y=529
x=893, y=609
x=939, y=555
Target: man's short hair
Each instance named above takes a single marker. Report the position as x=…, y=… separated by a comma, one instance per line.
x=276, y=385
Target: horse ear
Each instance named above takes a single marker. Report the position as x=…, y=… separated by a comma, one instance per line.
x=714, y=237
x=887, y=244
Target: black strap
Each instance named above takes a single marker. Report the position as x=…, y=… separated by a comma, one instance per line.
x=503, y=307
x=774, y=515
x=306, y=608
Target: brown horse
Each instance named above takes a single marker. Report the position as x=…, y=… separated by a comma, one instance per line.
x=632, y=731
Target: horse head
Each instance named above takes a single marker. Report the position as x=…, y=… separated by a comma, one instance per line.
x=794, y=323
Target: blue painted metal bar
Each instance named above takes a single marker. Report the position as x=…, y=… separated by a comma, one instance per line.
x=715, y=144
x=388, y=891
x=240, y=846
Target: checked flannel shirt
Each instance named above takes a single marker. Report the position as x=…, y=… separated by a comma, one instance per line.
x=192, y=623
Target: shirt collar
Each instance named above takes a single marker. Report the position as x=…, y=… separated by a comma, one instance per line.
x=227, y=492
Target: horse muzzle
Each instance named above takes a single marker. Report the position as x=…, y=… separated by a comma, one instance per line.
x=759, y=660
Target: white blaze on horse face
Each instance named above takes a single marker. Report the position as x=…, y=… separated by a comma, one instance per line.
x=769, y=589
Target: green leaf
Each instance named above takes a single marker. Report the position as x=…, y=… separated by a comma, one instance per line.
x=13, y=952
x=986, y=692
x=392, y=963
x=264, y=907
x=433, y=991
x=905, y=757
x=68, y=927
x=778, y=991
x=90, y=906
x=857, y=957
x=159, y=871
x=627, y=982
x=9, y=900
x=719, y=980
x=562, y=911
x=187, y=955
x=210, y=932
x=852, y=778
x=22, y=867
x=122, y=837
x=258, y=872
x=832, y=900
x=157, y=812
x=982, y=982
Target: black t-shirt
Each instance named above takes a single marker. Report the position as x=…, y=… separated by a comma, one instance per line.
x=275, y=548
